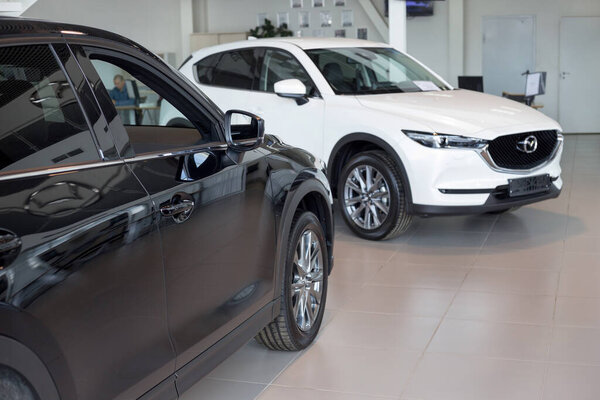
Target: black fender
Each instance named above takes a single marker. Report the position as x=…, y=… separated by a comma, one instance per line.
x=306, y=182
x=36, y=355
x=366, y=137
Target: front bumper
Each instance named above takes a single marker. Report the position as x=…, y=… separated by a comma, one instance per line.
x=497, y=201
x=457, y=181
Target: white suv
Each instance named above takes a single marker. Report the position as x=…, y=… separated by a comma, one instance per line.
x=398, y=140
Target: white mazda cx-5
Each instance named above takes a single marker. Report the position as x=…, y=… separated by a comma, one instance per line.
x=398, y=140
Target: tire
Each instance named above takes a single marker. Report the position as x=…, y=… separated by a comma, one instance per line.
x=391, y=196
x=506, y=210
x=288, y=332
x=14, y=386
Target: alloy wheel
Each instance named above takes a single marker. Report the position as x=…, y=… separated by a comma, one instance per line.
x=367, y=197
x=307, y=280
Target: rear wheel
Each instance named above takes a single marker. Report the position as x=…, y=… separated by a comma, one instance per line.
x=13, y=385
x=304, y=287
x=372, y=197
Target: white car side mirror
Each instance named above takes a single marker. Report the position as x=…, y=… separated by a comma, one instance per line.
x=292, y=89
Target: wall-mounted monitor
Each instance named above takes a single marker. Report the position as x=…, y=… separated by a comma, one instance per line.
x=415, y=8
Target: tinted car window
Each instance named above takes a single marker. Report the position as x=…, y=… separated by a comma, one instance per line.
x=42, y=122
x=156, y=117
x=236, y=69
x=279, y=65
x=205, y=69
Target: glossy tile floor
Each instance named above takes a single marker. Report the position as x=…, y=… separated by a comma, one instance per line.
x=480, y=307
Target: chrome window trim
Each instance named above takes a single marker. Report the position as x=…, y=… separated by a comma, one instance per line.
x=174, y=153
x=7, y=176
x=485, y=155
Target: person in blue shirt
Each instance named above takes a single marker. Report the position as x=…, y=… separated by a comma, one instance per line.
x=119, y=94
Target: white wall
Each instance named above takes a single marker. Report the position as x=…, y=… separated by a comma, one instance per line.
x=427, y=38
x=155, y=24
x=548, y=14
x=241, y=16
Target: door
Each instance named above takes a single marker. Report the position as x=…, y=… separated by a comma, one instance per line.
x=508, y=51
x=215, y=210
x=84, y=249
x=579, y=88
x=298, y=124
x=244, y=79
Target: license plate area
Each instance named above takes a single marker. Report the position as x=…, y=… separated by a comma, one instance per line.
x=530, y=185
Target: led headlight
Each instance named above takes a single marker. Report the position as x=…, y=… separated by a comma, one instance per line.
x=441, y=141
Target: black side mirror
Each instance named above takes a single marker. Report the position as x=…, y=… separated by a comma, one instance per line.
x=243, y=130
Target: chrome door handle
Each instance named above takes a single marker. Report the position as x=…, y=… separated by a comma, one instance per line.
x=10, y=246
x=172, y=209
x=9, y=242
x=179, y=208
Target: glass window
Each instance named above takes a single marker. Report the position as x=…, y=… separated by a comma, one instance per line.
x=205, y=69
x=42, y=122
x=373, y=70
x=279, y=65
x=156, y=118
x=236, y=69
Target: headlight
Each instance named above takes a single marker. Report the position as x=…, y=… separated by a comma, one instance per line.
x=441, y=141
x=319, y=164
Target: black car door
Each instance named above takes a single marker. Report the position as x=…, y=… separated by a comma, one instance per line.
x=80, y=245
x=216, y=218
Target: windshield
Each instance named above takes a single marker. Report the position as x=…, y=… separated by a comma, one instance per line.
x=373, y=70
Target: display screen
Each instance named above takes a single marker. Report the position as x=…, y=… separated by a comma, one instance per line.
x=419, y=8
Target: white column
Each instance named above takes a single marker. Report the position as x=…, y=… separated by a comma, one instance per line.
x=186, y=28
x=397, y=21
x=456, y=46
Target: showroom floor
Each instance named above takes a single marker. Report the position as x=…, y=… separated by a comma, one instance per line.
x=481, y=307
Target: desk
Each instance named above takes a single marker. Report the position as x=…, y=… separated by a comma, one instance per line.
x=521, y=98
x=140, y=112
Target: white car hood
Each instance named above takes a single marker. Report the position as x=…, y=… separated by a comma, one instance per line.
x=461, y=112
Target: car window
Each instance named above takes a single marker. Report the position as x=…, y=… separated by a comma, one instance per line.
x=205, y=69
x=155, y=117
x=236, y=69
x=373, y=70
x=42, y=122
x=279, y=65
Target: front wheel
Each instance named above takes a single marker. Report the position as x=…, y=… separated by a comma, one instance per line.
x=372, y=197
x=14, y=386
x=304, y=287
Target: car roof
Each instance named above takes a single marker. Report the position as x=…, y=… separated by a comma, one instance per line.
x=23, y=27
x=322, y=43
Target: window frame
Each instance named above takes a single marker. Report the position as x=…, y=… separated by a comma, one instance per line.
x=51, y=42
x=260, y=60
x=93, y=47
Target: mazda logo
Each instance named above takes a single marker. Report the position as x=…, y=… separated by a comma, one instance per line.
x=528, y=145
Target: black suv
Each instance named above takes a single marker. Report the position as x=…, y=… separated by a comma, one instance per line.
x=135, y=257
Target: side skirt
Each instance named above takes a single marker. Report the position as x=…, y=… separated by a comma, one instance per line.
x=200, y=366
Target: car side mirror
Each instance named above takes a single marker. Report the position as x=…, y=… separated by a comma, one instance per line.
x=292, y=89
x=243, y=130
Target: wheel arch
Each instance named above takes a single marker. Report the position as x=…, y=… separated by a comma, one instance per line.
x=358, y=142
x=28, y=347
x=16, y=356
x=309, y=191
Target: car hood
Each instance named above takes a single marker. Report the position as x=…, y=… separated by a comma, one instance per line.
x=461, y=112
